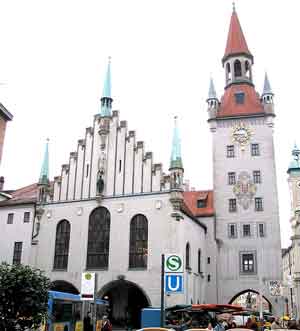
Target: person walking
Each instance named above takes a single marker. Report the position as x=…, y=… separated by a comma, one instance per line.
x=87, y=322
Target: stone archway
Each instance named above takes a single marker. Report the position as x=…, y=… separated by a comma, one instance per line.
x=63, y=286
x=250, y=299
x=126, y=299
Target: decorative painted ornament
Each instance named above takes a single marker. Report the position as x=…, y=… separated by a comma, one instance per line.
x=241, y=134
x=244, y=189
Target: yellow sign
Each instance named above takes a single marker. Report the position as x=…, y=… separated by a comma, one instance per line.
x=79, y=326
x=58, y=326
x=99, y=325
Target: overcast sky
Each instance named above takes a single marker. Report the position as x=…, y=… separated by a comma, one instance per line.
x=53, y=60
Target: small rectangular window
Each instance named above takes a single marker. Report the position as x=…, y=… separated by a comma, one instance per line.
x=120, y=165
x=246, y=230
x=26, y=217
x=232, y=205
x=232, y=231
x=10, y=218
x=208, y=260
x=239, y=98
x=231, y=178
x=255, y=150
x=247, y=263
x=256, y=177
x=259, y=204
x=87, y=170
x=201, y=203
x=261, y=230
x=17, y=252
x=208, y=278
x=230, y=151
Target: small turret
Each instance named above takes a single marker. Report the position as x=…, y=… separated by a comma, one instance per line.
x=212, y=100
x=176, y=166
x=267, y=96
x=106, y=100
x=43, y=183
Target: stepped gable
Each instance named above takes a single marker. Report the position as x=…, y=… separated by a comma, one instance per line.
x=191, y=200
x=251, y=105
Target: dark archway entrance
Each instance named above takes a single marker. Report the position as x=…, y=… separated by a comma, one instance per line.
x=126, y=299
x=63, y=286
x=251, y=299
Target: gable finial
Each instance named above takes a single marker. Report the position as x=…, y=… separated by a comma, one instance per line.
x=233, y=6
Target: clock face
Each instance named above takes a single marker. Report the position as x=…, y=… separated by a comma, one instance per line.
x=298, y=184
x=241, y=134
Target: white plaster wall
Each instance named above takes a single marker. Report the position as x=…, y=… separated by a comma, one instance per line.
x=129, y=165
x=95, y=158
x=147, y=175
x=18, y=231
x=165, y=235
x=120, y=160
x=138, y=169
x=64, y=184
x=72, y=171
x=87, y=165
x=80, y=164
x=56, y=191
x=111, y=157
x=268, y=248
x=156, y=178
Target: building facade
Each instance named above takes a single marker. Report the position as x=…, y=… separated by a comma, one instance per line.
x=113, y=211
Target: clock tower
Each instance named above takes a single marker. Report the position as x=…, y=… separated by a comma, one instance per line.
x=248, y=252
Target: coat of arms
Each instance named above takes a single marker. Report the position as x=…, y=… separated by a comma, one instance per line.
x=244, y=189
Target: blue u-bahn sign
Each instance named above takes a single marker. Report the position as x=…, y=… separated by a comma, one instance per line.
x=173, y=283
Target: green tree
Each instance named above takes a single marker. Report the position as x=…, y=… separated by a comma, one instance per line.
x=23, y=296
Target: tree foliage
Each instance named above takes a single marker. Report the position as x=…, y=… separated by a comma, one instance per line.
x=23, y=296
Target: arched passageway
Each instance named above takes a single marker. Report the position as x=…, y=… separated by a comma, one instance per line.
x=251, y=299
x=126, y=299
x=63, y=286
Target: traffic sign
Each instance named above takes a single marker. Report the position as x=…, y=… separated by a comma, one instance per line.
x=88, y=286
x=173, y=283
x=174, y=263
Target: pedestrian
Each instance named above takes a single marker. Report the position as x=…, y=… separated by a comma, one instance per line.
x=87, y=322
x=106, y=325
x=275, y=324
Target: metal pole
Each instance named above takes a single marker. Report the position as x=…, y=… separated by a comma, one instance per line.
x=95, y=306
x=162, y=292
x=291, y=289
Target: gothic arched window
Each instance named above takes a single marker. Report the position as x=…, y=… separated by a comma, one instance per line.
x=62, y=240
x=228, y=72
x=138, y=244
x=187, y=256
x=237, y=68
x=247, y=69
x=98, y=239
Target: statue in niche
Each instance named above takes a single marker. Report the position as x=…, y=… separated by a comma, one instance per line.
x=100, y=184
x=101, y=162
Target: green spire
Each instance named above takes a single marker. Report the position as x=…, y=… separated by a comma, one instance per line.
x=106, y=100
x=295, y=163
x=176, y=161
x=44, y=176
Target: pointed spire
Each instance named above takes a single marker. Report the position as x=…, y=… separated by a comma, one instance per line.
x=295, y=162
x=236, y=42
x=44, y=176
x=267, y=87
x=106, y=100
x=176, y=161
x=212, y=92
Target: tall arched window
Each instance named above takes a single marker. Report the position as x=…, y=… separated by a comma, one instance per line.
x=187, y=256
x=237, y=68
x=138, y=244
x=62, y=240
x=98, y=239
x=199, y=261
x=247, y=69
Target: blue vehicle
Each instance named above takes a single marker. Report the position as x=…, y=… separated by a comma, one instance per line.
x=65, y=310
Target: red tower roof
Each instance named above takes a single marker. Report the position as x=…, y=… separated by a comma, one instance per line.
x=236, y=42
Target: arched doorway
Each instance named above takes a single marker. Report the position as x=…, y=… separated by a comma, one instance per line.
x=251, y=299
x=126, y=299
x=63, y=286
